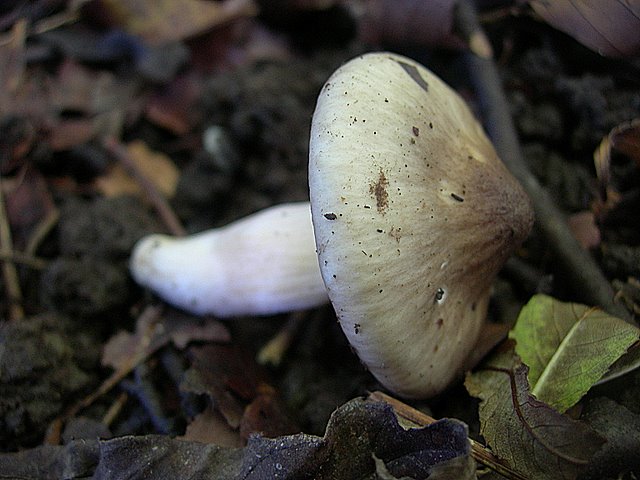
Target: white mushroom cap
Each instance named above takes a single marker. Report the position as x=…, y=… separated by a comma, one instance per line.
x=262, y=264
x=414, y=214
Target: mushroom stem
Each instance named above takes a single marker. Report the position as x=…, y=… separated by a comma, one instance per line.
x=259, y=265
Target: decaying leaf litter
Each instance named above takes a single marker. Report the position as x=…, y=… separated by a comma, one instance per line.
x=210, y=118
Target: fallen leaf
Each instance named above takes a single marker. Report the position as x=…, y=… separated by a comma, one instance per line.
x=527, y=434
x=223, y=373
x=154, y=166
x=153, y=331
x=624, y=138
x=266, y=415
x=210, y=426
x=358, y=433
x=239, y=389
x=164, y=21
x=609, y=27
x=584, y=229
x=568, y=347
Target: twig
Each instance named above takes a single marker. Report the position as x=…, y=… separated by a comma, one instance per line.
x=275, y=349
x=24, y=259
x=586, y=278
x=11, y=280
x=114, y=410
x=41, y=231
x=118, y=375
x=159, y=202
x=478, y=451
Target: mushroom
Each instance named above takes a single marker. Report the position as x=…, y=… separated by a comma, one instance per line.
x=414, y=215
x=259, y=265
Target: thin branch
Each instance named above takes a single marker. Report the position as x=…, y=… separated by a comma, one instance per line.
x=118, y=375
x=276, y=348
x=159, y=202
x=11, y=280
x=586, y=278
x=41, y=231
x=24, y=259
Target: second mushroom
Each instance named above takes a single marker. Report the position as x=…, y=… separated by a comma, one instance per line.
x=414, y=215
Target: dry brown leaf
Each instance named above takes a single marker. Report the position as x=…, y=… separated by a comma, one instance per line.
x=609, y=27
x=155, y=166
x=266, y=415
x=153, y=331
x=164, y=21
x=625, y=138
x=237, y=386
x=211, y=427
x=584, y=229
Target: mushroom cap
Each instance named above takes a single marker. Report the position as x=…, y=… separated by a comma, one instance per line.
x=414, y=214
x=262, y=264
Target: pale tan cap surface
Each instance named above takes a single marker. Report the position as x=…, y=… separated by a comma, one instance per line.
x=414, y=214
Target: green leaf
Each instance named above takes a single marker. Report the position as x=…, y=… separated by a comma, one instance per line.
x=527, y=434
x=568, y=347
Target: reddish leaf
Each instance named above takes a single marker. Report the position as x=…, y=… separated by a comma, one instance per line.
x=527, y=434
x=266, y=415
x=237, y=386
x=610, y=27
x=154, y=331
x=584, y=228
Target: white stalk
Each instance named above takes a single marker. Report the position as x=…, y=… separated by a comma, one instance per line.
x=263, y=264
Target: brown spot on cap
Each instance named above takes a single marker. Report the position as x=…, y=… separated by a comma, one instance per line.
x=379, y=190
